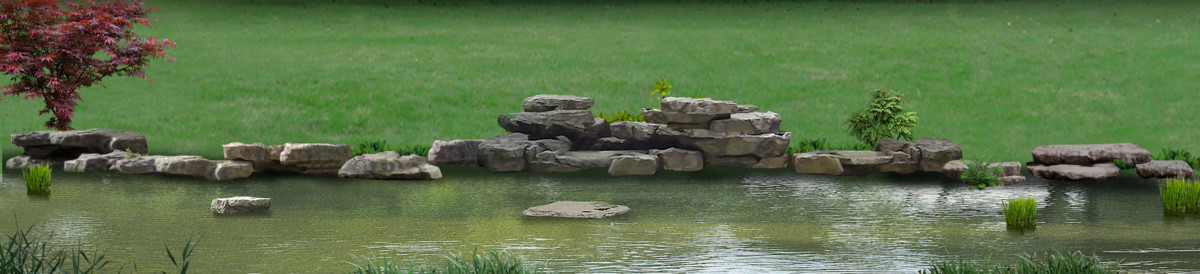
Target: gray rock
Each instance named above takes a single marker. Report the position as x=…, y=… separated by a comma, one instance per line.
x=697, y=106
x=256, y=152
x=90, y=162
x=733, y=161
x=1165, y=169
x=781, y=161
x=633, y=165
x=100, y=141
x=679, y=159
x=569, y=209
x=139, y=165
x=682, y=119
x=229, y=170
x=568, y=161
x=549, y=102
x=504, y=153
x=558, y=144
x=316, y=158
x=746, y=108
x=814, y=163
x=646, y=135
x=456, y=152
x=389, y=165
x=612, y=143
x=761, y=145
x=930, y=153
x=600, y=129
x=240, y=204
x=23, y=161
x=547, y=125
x=194, y=166
x=1089, y=154
x=901, y=162
x=749, y=123
x=1015, y=179
x=859, y=163
x=1068, y=172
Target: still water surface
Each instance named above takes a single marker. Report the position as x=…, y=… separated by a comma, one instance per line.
x=716, y=220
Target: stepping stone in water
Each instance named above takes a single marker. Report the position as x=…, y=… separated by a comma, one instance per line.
x=570, y=209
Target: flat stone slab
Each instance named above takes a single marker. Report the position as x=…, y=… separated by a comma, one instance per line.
x=1090, y=154
x=240, y=204
x=1068, y=172
x=548, y=102
x=570, y=209
x=1165, y=169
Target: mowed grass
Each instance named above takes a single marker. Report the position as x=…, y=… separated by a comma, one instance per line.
x=996, y=78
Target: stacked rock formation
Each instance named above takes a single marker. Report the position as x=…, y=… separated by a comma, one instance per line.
x=925, y=154
x=1011, y=171
x=55, y=148
x=1084, y=162
x=303, y=158
x=389, y=165
x=557, y=133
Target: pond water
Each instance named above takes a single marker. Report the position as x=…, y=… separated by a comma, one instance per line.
x=716, y=220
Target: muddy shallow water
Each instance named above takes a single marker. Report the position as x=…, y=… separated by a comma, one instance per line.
x=716, y=220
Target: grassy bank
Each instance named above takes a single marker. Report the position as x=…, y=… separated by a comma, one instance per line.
x=996, y=78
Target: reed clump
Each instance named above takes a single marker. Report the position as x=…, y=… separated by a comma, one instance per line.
x=493, y=261
x=1180, y=196
x=37, y=179
x=1020, y=213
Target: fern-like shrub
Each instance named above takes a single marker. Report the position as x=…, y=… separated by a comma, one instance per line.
x=884, y=118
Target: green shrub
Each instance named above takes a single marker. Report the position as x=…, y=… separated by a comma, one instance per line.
x=807, y=145
x=373, y=147
x=1020, y=213
x=980, y=175
x=885, y=117
x=28, y=253
x=1180, y=196
x=494, y=261
x=37, y=179
x=1051, y=262
x=621, y=116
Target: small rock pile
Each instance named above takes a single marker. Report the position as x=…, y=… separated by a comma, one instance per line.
x=557, y=133
x=303, y=158
x=97, y=147
x=925, y=154
x=1086, y=162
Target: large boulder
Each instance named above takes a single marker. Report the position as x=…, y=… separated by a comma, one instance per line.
x=761, y=145
x=229, y=170
x=646, y=135
x=1165, y=169
x=240, y=204
x=748, y=123
x=549, y=102
x=780, y=161
x=816, y=163
x=504, y=153
x=697, y=106
x=315, y=158
x=592, y=135
x=1069, y=172
x=901, y=162
x=641, y=164
x=194, y=166
x=48, y=143
x=91, y=162
x=547, y=125
x=256, y=152
x=681, y=120
x=389, y=165
x=538, y=146
x=679, y=159
x=455, y=152
x=137, y=165
x=1090, y=154
x=568, y=161
x=23, y=161
x=860, y=163
x=570, y=209
x=930, y=153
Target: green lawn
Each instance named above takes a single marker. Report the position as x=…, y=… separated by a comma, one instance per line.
x=996, y=78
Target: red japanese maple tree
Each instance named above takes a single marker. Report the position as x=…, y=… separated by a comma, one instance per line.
x=51, y=49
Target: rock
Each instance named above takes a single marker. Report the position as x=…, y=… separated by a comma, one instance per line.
x=504, y=153
x=746, y=108
x=930, y=153
x=679, y=159
x=389, y=165
x=612, y=143
x=139, y=165
x=316, y=158
x=600, y=129
x=681, y=120
x=550, y=124
x=1011, y=168
x=697, y=106
x=733, y=161
x=813, y=163
x=549, y=102
x=859, y=163
x=1016, y=179
x=559, y=144
x=761, y=145
x=569, y=209
x=194, y=166
x=256, y=152
x=455, y=152
x=1069, y=172
x=901, y=162
x=748, y=123
x=91, y=162
x=229, y=170
x=633, y=165
x=1165, y=169
x=100, y=141
x=568, y=161
x=773, y=162
x=1089, y=154
x=955, y=169
x=240, y=204
x=24, y=161
x=646, y=135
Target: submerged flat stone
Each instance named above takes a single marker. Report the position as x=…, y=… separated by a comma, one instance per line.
x=571, y=209
x=240, y=204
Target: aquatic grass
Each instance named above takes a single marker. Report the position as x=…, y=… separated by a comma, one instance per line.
x=184, y=255
x=25, y=252
x=371, y=265
x=493, y=261
x=1020, y=213
x=37, y=179
x=1180, y=196
x=1052, y=262
x=960, y=266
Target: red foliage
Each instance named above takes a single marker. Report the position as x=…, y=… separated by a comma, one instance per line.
x=49, y=49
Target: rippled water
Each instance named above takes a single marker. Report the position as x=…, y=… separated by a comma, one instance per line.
x=717, y=220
